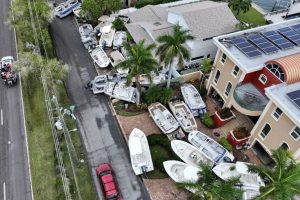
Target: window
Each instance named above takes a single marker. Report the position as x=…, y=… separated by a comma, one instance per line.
x=208, y=56
x=263, y=78
x=296, y=133
x=276, y=70
x=217, y=76
x=223, y=58
x=277, y=113
x=284, y=146
x=228, y=88
x=235, y=71
x=265, y=131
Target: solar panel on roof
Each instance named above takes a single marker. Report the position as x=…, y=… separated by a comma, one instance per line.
x=296, y=27
x=290, y=34
x=262, y=43
x=246, y=47
x=295, y=97
x=278, y=40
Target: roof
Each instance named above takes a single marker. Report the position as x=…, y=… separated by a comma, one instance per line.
x=203, y=19
x=290, y=67
x=254, y=64
x=207, y=19
x=278, y=95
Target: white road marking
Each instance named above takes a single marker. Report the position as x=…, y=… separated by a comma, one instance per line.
x=1, y=117
x=4, y=191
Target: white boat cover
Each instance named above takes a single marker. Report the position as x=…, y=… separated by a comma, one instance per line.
x=119, y=38
x=193, y=99
x=66, y=8
x=121, y=91
x=115, y=58
x=107, y=36
x=100, y=58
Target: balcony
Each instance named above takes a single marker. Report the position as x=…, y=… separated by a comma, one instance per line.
x=248, y=100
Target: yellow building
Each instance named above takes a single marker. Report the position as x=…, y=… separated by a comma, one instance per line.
x=255, y=72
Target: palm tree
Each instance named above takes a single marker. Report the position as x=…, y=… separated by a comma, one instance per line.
x=172, y=47
x=283, y=180
x=205, y=68
x=140, y=61
x=240, y=5
x=210, y=187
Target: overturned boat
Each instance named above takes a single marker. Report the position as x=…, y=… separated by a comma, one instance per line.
x=66, y=8
x=181, y=172
x=250, y=182
x=119, y=38
x=99, y=57
x=140, y=155
x=190, y=154
x=210, y=147
x=99, y=84
x=183, y=116
x=163, y=118
x=121, y=91
x=193, y=99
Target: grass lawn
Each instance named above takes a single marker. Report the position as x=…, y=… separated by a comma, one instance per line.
x=40, y=142
x=160, y=148
x=252, y=17
x=82, y=172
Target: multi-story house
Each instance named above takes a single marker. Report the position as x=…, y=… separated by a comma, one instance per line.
x=257, y=73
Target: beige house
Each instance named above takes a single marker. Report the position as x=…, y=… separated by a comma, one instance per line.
x=254, y=72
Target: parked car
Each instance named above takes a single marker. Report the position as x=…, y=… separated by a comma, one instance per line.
x=105, y=174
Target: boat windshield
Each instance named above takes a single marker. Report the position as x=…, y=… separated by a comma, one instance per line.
x=113, y=196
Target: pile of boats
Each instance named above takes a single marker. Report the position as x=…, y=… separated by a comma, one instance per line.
x=204, y=149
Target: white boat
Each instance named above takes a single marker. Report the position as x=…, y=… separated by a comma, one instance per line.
x=156, y=79
x=66, y=8
x=124, y=52
x=183, y=115
x=190, y=154
x=115, y=58
x=250, y=181
x=193, y=99
x=210, y=147
x=99, y=57
x=121, y=91
x=87, y=35
x=140, y=155
x=107, y=36
x=99, y=84
x=181, y=172
x=163, y=118
x=119, y=38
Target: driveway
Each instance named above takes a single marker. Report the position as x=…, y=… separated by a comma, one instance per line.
x=101, y=136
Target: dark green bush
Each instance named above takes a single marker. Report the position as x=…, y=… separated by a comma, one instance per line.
x=225, y=113
x=118, y=24
x=224, y=142
x=203, y=91
x=208, y=121
x=158, y=94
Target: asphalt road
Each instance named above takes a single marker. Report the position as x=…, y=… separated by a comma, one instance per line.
x=99, y=130
x=14, y=173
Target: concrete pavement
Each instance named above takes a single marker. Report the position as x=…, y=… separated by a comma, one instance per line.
x=14, y=172
x=102, y=139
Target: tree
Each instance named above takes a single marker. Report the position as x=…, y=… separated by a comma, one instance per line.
x=205, y=67
x=96, y=8
x=240, y=5
x=211, y=187
x=140, y=61
x=118, y=24
x=283, y=180
x=172, y=47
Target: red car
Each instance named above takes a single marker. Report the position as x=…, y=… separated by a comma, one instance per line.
x=105, y=174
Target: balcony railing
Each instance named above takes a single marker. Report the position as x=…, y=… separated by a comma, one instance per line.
x=249, y=97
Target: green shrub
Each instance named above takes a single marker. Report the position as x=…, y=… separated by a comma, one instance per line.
x=224, y=142
x=159, y=94
x=118, y=24
x=241, y=132
x=208, y=121
x=203, y=91
x=225, y=113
